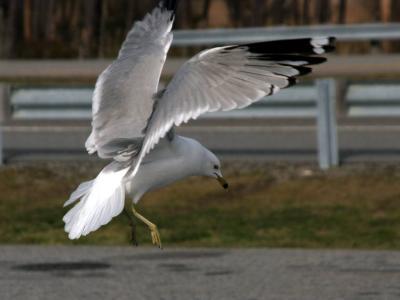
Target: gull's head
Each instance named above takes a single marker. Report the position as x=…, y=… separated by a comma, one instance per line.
x=212, y=168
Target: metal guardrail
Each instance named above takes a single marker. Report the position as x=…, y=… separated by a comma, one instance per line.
x=299, y=101
x=39, y=104
x=372, y=100
x=32, y=103
x=360, y=100
x=51, y=103
x=4, y=108
x=83, y=71
x=328, y=154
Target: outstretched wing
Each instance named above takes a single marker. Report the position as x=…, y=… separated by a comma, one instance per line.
x=123, y=96
x=230, y=77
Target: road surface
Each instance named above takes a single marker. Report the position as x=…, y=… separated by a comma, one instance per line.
x=75, y=272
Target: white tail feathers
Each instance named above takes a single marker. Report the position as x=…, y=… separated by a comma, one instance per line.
x=101, y=199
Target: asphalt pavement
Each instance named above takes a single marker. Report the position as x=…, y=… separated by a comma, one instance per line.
x=75, y=272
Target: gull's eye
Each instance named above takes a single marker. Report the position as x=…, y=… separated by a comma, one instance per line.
x=215, y=167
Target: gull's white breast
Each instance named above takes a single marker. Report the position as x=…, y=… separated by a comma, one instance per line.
x=166, y=163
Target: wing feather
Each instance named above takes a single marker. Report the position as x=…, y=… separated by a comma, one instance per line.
x=123, y=96
x=230, y=77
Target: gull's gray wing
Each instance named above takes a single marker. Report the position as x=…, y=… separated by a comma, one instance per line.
x=123, y=97
x=230, y=77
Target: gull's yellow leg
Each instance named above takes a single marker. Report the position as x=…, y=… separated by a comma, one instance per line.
x=133, y=227
x=155, y=235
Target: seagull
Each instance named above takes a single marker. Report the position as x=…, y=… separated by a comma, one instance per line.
x=133, y=122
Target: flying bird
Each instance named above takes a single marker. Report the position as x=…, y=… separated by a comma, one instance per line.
x=133, y=123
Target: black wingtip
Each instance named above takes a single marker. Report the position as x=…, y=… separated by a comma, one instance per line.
x=302, y=46
x=291, y=81
x=169, y=5
x=303, y=70
x=331, y=44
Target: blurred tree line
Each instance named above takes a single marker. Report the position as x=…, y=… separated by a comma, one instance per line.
x=96, y=28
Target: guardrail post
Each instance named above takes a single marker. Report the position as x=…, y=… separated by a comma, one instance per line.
x=340, y=97
x=328, y=154
x=4, y=116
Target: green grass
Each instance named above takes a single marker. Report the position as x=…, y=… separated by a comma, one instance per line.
x=266, y=206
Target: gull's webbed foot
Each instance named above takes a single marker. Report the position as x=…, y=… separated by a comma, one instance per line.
x=155, y=235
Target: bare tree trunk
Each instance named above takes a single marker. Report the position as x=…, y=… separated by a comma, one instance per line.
x=206, y=7
x=395, y=17
x=27, y=19
x=277, y=7
x=258, y=12
x=90, y=31
x=103, y=33
x=51, y=28
x=322, y=10
x=13, y=28
x=235, y=10
x=186, y=19
x=306, y=12
x=296, y=11
x=342, y=11
x=2, y=31
x=71, y=12
x=131, y=9
x=376, y=11
x=36, y=16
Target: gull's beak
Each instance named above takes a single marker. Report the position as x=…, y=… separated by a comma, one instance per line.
x=222, y=181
